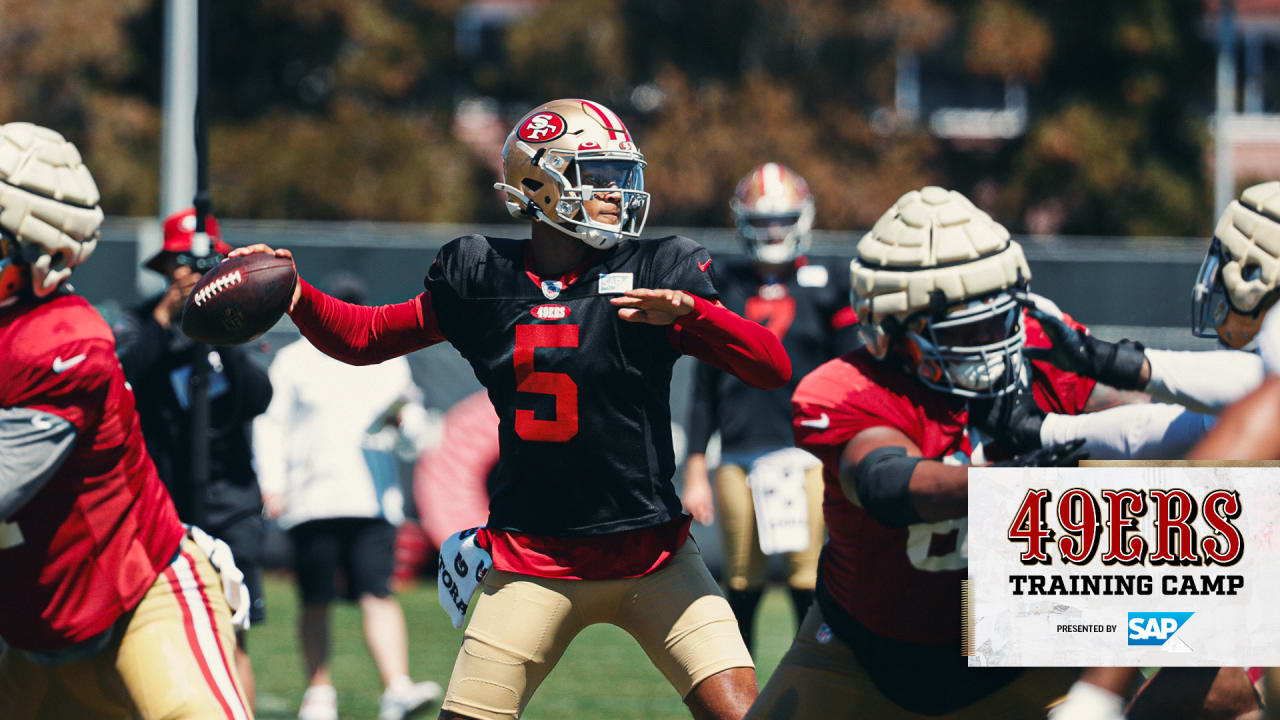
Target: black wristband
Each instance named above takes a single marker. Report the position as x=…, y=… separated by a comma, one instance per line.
x=881, y=481
x=1122, y=368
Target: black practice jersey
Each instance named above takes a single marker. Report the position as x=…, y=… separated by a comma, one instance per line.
x=809, y=311
x=583, y=397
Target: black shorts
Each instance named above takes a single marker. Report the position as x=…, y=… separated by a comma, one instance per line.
x=245, y=536
x=363, y=547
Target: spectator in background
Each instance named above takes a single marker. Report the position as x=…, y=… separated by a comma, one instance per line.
x=768, y=493
x=157, y=357
x=329, y=476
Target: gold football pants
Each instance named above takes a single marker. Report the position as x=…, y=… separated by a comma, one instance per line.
x=171, y=658
x=521, y=625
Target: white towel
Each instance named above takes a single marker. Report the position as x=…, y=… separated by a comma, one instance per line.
x=233, y=587
x=777, y=483
x=463, y=565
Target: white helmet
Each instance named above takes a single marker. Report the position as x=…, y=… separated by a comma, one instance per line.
x=936, y=279
x=49, y=213
x=560, y=155
x=775, y=212
x=1240, y=275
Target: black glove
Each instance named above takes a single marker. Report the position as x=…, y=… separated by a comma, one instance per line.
x=1012, y=419
x=1116, y=364
x=1063, y=455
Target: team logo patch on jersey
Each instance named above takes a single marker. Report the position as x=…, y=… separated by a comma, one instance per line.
x=611, y=283
x=812, y=276
x=551, y=288
x=550, y=312
x=542, y=127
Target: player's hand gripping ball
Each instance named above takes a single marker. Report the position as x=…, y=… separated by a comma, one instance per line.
x=239, y=299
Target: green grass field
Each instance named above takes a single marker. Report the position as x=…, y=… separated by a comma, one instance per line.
x=603, y=675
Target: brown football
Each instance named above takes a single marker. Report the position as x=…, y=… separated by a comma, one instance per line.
x=239, y=299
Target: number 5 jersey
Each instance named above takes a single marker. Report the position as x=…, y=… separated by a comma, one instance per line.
x=582, y=396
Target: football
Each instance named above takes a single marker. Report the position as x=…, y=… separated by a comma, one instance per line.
x=239, y=299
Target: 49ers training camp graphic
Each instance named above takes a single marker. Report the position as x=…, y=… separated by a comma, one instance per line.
x=1132, y=565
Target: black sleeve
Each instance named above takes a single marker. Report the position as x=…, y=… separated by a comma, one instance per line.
x=249, y=381
x=140, y=343
x=704, y=407
x=682, y=264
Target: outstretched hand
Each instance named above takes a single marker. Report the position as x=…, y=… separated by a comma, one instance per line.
x=655, y=307
x=1121, y=365
x=1067, y=345
x=278, y=252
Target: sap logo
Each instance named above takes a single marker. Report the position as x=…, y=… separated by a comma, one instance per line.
x=1155, y=628
x=550, y=312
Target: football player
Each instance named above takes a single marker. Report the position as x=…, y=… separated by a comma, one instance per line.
x=574, y=332
x=934, y=284
x=110, y=609
x=1238, y=282
x=807, y=306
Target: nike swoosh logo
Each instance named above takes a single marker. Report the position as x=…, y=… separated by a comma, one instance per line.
x=60, y=365
x=822, y=423
x=704, y=265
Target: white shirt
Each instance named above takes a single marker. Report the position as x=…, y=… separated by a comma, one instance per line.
x=324, y=442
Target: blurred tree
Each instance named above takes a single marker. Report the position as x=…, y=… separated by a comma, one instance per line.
x=338, y=109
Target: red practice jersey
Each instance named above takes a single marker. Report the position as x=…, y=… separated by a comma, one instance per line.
x=89, y=544
x=901, y=583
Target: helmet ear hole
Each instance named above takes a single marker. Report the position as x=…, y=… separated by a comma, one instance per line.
x=533, y=185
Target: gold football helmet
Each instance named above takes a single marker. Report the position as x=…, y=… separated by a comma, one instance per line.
x=559, y=156
x=775, y=213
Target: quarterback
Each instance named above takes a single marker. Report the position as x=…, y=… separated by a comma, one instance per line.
x=895, y=424
x=807, y=306
x=574, y=332
x=110, y=609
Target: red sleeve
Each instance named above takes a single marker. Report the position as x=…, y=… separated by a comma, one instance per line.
x=364, y=335
x=717, y=335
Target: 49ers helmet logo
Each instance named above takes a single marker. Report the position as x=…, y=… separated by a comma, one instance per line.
x=542, y=127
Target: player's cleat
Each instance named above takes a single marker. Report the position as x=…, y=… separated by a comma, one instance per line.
x=319, y=702
x=402, y=698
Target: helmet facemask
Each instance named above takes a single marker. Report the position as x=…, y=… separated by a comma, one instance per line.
x=581, y=175
x=1213, y=314
x=974, y=351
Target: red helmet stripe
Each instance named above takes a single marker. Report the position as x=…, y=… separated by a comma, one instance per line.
x=611, y=122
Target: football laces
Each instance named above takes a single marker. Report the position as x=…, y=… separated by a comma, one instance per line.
x=208, y=292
